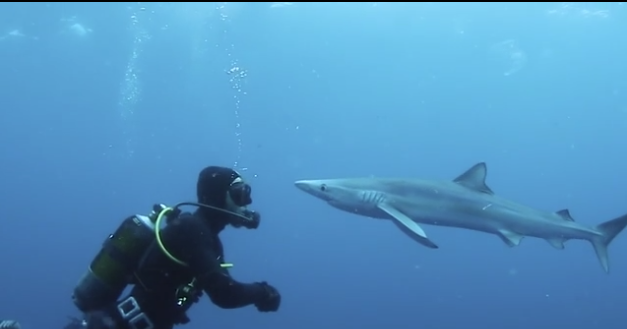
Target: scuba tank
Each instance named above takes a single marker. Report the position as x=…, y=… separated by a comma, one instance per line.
x=113, y=267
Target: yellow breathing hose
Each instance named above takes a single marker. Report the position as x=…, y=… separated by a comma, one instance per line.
x=165, y=251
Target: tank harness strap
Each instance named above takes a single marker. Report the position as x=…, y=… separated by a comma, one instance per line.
x=133, y=315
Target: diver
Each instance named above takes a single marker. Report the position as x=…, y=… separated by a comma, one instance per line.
x=185, y=260
x=9, y=324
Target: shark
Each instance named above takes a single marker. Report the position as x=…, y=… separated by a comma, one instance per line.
x=465, y=202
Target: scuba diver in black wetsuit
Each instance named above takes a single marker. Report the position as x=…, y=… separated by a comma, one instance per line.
x=170, y=267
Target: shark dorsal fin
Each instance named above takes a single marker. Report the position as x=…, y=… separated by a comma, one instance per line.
x=474, y=178
x=565, y=214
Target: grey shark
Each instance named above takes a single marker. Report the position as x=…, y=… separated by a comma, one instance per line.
x=465, y=202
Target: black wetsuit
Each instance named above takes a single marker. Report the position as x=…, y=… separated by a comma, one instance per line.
x=193, y=240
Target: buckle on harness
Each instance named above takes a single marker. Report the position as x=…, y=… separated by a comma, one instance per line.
x=128, y=308
x=132, y=314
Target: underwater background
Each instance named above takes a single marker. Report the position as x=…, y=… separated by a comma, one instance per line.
x=108, y=108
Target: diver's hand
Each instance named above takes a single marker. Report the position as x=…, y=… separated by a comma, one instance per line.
x=9, y=324
x=271, y=300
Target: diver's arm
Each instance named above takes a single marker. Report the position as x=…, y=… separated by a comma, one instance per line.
x=192, y=238
x=227, y=293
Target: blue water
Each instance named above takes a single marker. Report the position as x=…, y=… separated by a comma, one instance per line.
x=107, y=108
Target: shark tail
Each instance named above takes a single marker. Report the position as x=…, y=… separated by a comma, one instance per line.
x=609, y=230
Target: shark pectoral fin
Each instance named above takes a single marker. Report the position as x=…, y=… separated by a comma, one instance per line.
x=408, y=226
x=510, y=238
x=557, y=243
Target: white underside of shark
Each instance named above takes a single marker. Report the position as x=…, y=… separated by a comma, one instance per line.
x=465, y=202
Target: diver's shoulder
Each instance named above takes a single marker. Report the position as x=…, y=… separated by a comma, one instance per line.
x=187, y=216
x=187, y=221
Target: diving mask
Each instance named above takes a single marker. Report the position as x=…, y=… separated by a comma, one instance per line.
x=240, y=193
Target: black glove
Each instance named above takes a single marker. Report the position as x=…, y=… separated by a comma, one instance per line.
x=270, y=301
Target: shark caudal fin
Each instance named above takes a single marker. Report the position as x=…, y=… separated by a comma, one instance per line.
x=609, y=230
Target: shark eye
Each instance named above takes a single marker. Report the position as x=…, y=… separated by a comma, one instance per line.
x=323, y=187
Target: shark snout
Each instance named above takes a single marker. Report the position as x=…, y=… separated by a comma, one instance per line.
x=312, y=187
x=303, y=185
